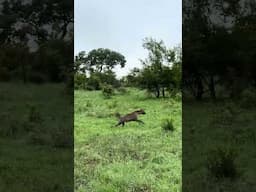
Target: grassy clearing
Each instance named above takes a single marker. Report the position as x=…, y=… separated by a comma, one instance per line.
x=220, y=143
x=131, y=158
x=35, y=131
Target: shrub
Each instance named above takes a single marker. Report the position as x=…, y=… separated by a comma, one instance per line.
x=93, y=83
x=88, y=104
x=34, y=115
x=10, y=130
x=122, y=90
x=107, y=90
x=223, y=116
x=79, y=81
x=167, y=125
x=248, y=98
x=177, y=96
x=221, y=163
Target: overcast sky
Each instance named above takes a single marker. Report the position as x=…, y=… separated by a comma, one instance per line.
x=121, y=25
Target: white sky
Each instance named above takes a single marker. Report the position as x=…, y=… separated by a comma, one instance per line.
x=121, y=25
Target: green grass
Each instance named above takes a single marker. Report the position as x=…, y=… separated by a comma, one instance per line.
x=34, y=119
x=222, y=126
x=135, y=157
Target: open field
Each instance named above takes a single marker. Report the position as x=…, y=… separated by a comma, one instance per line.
x=219, y=153
x=136, y=157
x=35, y=138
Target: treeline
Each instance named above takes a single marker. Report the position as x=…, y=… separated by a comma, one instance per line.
x=47, y=64
x=36, y=41
x=219, y=48
x=160, y=72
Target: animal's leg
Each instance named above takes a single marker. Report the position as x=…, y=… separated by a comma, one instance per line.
x=119, y=123
x=122, y=123
x=139, y=121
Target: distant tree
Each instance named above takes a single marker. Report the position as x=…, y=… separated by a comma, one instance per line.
x=218, y=52
x=98, y=64
x=161, y=69
x=132, y=78
x=33, y=16
x=102, y=60
x=79, y=62
x=23, y=21
x=79, y=81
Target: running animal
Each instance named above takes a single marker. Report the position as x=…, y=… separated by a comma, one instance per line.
x=130, y=117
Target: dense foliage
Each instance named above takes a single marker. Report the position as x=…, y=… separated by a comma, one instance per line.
x=98, y=64
x=36, y=39
x=161, y=71
x=218, y=52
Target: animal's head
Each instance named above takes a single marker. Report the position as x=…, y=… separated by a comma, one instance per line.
x=141, y=111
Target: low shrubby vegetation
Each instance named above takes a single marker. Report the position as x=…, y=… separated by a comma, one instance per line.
x=221, y=163
x=160, y=74
x=167, y=125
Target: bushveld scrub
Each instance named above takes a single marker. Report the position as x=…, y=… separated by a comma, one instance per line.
x=167, y=125
x=136, y=157
x=221, y=163
x=107, y=90
x=248, y=98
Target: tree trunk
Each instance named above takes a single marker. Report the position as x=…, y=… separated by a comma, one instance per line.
x=157, y=92
x=64, y=30
x=163, y=92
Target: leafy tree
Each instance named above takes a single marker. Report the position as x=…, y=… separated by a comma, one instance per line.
x=23, y=21
x=160, y=68
x=33, y=16
x=102, y=60
x=132, y=78
x=79, y=81
x=99, y=64
x=79, y=62
x=218, y=53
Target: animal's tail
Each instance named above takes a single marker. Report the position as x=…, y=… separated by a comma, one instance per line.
x=118, y=115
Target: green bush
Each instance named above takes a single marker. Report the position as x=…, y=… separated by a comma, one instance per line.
x=221, y=163
x=34, y=115
x=93, y=83
x=107, y=90
x=79, y=81
x=223, y=116
x=167, y=125
x=248, y=98
x=10, y=130
x=88, y=104
x=122, y=90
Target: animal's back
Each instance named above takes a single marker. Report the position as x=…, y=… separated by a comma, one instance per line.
x=130, y=117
